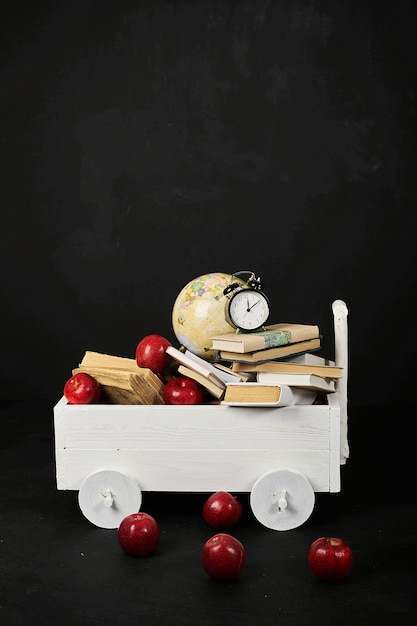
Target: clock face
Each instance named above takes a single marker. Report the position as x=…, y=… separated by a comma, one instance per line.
x=248, y=309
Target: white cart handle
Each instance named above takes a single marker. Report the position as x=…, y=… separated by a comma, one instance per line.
x=340, y=313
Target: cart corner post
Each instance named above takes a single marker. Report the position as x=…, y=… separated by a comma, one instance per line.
x=340, y=313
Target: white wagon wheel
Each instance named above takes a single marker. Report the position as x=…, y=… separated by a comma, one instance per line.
x=282, y=499
x=106, y=497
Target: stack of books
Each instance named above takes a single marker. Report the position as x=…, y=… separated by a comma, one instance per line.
x=281, y=364
x=275, y=342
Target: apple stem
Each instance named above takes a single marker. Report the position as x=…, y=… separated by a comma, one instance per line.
x=282, y=501
x=108, y=498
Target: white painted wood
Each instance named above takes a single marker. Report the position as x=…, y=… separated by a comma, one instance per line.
x=106, y=497
x=340, y=313
x=334, y=443
x=204, y=448
x=202, y=427
x=282, y=499
x=198, y=470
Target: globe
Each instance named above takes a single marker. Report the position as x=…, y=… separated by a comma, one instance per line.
x=199, y=312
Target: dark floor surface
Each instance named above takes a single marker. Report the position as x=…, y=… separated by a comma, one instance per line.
x=57, y=568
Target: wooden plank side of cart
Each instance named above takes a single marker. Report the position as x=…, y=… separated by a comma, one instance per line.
x=200, y=448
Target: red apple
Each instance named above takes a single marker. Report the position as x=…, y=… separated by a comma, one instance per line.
x=222, y=510
x=138, y=534
x=82, y=388
x=330, y=558
x=151, y=353
x=223, y=556
x=183, y=390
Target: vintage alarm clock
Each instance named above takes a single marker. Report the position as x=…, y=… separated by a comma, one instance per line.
x=247, y=306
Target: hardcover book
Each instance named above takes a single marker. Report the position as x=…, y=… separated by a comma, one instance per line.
x=264, y=394
x=290, y=367
x=306, y=381
x=232, y=375
x=309, y=358
x=216, y=390
x=271, y=353
x=273, y=336
x=196, y=363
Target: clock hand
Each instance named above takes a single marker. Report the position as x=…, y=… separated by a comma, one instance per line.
x=257, y=302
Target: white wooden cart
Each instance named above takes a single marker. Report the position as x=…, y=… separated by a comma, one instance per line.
x=111, y=454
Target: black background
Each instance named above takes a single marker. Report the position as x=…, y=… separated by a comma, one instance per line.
x=146, y=143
